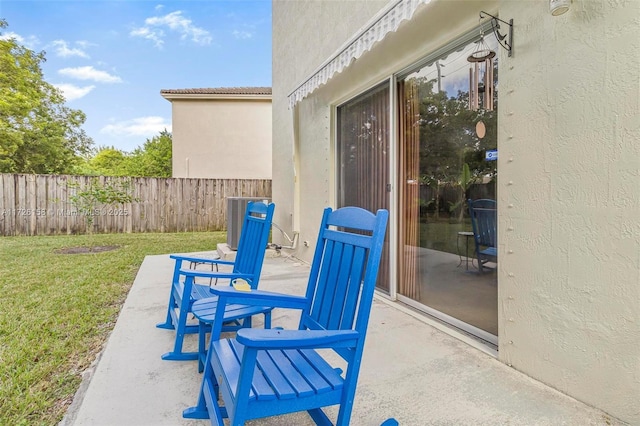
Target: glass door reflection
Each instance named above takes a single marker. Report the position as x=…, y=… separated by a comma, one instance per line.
x=447, y=152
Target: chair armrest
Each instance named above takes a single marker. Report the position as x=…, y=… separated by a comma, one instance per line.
x=213, y=274
x=298, y=339
x=256, y=297
x=200, y=259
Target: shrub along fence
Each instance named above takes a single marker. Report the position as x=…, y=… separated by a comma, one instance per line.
x=43, y=204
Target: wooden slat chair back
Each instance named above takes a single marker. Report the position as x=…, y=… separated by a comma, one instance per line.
x=263, y=373
x=484, y=224
x=247, y=265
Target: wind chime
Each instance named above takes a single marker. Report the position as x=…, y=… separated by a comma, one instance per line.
x=481, y=87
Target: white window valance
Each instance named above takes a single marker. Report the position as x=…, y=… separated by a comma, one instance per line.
x=386, y=21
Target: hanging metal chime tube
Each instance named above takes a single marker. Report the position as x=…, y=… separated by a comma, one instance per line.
x=488, y=85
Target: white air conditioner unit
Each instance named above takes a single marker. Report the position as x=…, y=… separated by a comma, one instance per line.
x=236, y=209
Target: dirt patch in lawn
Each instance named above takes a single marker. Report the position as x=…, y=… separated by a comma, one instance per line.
x=86, y=249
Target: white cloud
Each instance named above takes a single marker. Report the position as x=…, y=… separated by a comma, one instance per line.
x=30, y=42
x=90, y=73
x=174, y=22
x=84, y=44
x=242, y=34
x=154, y=35
x=141, y=126
x=63, y=49
x=72, y=92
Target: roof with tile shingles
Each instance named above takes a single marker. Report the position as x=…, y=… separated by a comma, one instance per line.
x=219, y=91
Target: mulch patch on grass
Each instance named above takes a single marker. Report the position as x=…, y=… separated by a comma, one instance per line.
x=86, y=249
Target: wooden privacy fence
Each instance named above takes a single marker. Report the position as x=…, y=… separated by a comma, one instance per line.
x=41, y=204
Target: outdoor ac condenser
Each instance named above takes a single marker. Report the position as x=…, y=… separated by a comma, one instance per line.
x=236, y=208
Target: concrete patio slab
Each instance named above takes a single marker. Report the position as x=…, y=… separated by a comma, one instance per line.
x=411, y=371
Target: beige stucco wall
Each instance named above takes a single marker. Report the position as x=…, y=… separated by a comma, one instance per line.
x=569, y=200
x=222, y=138
x=301, y=43
x=569, y=189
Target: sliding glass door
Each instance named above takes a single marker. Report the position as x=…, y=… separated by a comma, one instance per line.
x=446, y=150
x=363, y=135
x=446, y=156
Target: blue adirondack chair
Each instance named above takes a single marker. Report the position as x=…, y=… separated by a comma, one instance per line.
x=263, y=373
x=247, y=266
x=484, y=225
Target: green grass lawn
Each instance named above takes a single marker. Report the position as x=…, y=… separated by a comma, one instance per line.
x=57, y=310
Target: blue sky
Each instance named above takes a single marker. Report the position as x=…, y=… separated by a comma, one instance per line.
x=112, y=58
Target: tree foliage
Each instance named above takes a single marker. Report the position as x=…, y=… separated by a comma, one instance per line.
x=152, y=159
x=38, y=133
x=452, y=155
x=109, y=161
x=87, y=200
x=448, y=138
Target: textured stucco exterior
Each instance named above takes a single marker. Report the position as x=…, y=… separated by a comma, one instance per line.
x=569, y=188
x=221, y=138
x=570, y=201
x=301, y=172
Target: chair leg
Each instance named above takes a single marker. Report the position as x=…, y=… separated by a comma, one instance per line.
x=480, y=265
x=202, y=348
x=211, y=398
x=319, y=417
x=209, y=390
x=267, y=319
x=205, y=401
x=246, y=323
x=168, y=323
x=173, y=303
x=195, y=413
x=177, y=354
